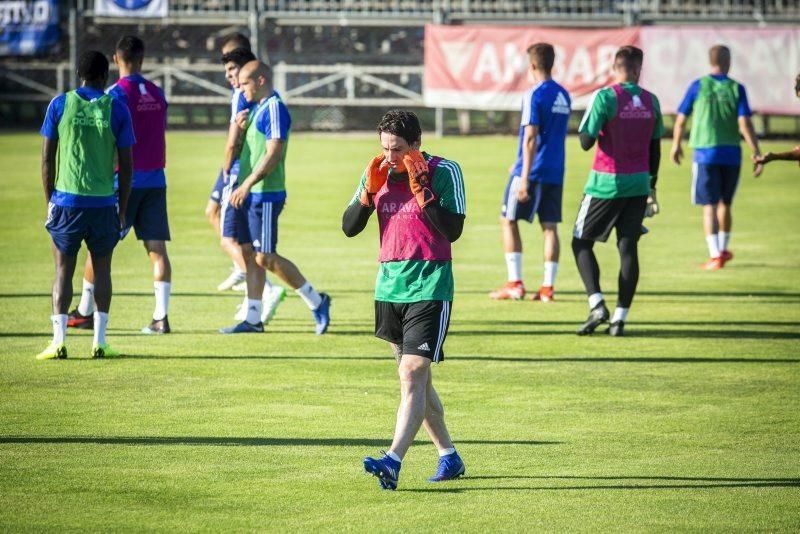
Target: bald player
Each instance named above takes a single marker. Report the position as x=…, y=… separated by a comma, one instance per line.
x=261, y=195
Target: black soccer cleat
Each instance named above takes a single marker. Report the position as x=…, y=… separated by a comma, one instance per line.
x=160, y=326
x=597, y=316
x=616, y=329
x=76, y=320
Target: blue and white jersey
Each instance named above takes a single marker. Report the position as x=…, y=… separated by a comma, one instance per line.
x=239, y=103
x=274, y=121
x=546, y=106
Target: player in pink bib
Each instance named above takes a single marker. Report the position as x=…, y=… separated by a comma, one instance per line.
x=420, y=203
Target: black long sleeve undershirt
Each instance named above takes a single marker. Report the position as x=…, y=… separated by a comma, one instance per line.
x=449, y=224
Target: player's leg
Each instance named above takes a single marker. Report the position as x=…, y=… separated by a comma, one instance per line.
x=83, y=315
x=629, y=227
x=413, y=372
x=101, y=240
x=264, y=230
x=225, y=225
x=548, y=209
x=596, y=218
x=162, y=286
x=512, y=211
x=730, y=182
x=255, y=277
x=706, y=191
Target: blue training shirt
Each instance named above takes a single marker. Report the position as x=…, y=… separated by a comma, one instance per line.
x=546, y=106
x=274, y=123
x=121, y=123
x=141, y=179
x=716, y=155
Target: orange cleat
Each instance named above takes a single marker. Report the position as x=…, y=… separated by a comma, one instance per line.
x=726, y=256
x=713, y=264
x=545, y=294
x=510, y=291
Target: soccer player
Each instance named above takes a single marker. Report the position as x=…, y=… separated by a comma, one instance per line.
x=625, y=121
x=721, y=113
x=791, y=155
x=261, y=194
x=230, y=43
x=420, y=206
x=147, y=205
x=540, y=160
x=83, y=131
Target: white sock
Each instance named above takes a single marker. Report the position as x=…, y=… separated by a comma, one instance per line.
x=309, y=295
x=550, y=271
x=713, y=245
x=394, y=457
x=100, y=324
x=620, y=314
x=595, y=299
x=236, y=268
x=253, y=311
x=59, y=328
x=724, y=239
x=267, y=285
x=445, y=452
x=514, y=266
x=162, y=299
x=86, y=306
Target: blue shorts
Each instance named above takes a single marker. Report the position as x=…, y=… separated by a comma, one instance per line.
x=714, y=183
x=262, y=218
x=234, y=220
x=147, y=214
x=68, y=227
x=544, y=201
x=216, y=191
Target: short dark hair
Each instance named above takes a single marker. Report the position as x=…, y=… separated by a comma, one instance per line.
x=240, y=56
x=130, y=49
x=719, y=56
x=403, y=124
x=239, y=39
x=542, y=55
x=630, y=57
x=92, y=66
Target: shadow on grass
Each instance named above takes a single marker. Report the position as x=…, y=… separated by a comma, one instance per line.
x=630, y=483
x=239, y=441
x=639, y=333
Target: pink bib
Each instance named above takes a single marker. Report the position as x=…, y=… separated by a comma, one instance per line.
x=149, y=113
x=406, y=233
x=623, y=146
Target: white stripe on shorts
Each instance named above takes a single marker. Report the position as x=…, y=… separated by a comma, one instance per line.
x=444, y=317
x=693, y=192
x=581, y=220
x=511, y=200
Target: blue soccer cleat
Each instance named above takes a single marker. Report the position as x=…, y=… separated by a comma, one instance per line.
x=322, y=315
x=450, y=467
x=386, y=469
x=243, y=328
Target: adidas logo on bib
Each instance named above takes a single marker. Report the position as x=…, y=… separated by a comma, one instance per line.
x=635, y=110
x=147, y=102
x=424, y=346
x=83, y=118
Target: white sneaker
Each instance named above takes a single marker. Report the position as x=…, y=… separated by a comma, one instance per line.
x=241, y=312
x=241, y=286
x=235, y=277
x=271, y=303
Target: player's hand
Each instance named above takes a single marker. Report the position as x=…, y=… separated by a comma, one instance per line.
x=652, y=205
x=377, y=174
x=241, y=119
x=758, y=167
x=418, y=178
x=122, y=224
x=238, y=197
x=676, y=154
x=522, y=191
x=762, y=159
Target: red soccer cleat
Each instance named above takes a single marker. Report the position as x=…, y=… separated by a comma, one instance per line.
x=726, y=256
x=510, y=291
x=76, y=320
x=545, y=294
x=713, y=264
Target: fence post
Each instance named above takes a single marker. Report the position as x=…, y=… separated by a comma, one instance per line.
x=73, y=46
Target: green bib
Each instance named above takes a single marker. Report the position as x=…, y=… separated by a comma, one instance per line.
x=86, y=147
x=716, y=119
x=255, y=147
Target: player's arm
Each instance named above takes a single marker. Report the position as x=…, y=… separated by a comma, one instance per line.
x=654, y=159
x=749, y=134
x=528, y=155
x=125, y=158
x=676, y=152
x=449, y=224
x=266, y=165
x=593, y=120
x=792, y=155
x=232, y=147
x=362, y=205
x=49, y=150
x=355, y=218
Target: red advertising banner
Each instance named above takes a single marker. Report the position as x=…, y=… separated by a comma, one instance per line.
x=765, y=60
x=486, y=67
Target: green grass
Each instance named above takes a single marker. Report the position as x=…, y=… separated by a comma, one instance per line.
x=690, y=423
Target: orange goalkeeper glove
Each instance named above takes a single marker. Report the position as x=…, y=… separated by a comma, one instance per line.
x=418, y=179
x=377, y=174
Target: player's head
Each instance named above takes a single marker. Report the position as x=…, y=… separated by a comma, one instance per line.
x=93, y=68
x=233, y=61
x=233, y=41
x=255, y=80
x=399, y=132
x=541, y=57
x=129, y=52
x=719, y=56
x=628, y=64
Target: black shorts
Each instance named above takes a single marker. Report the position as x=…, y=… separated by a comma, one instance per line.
x=597, y=217
x=419, y=328
x=147, y=214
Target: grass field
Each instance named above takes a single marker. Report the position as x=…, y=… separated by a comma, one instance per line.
x=692, y=422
